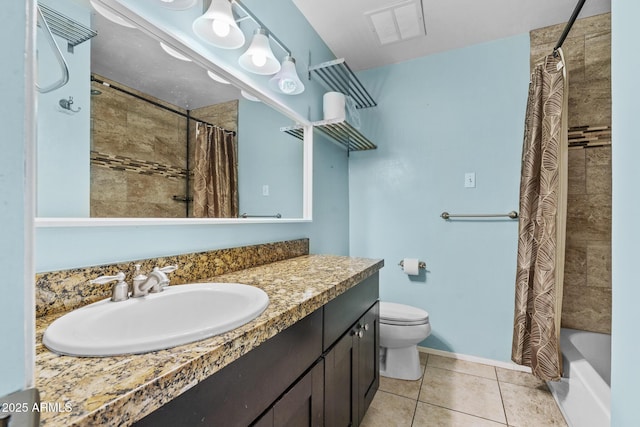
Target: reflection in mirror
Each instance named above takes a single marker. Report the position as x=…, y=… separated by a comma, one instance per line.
x=142, y=144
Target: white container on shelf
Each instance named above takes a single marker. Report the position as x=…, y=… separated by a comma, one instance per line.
x=333, y=105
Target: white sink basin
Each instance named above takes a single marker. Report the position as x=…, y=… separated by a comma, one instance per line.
x=178, y=315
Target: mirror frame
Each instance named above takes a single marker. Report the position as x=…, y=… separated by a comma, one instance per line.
x=237, y=80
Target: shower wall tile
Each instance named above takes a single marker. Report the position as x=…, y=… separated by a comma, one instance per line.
x=590, y=104
x=597, y=55
x=587, y=279
x=575, y=267
x=589, y=217
x=577, y=171
x=587, y=308
x=599, y=264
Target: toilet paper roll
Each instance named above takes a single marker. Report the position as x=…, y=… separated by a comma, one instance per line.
x=410, y=266
x=333, y=105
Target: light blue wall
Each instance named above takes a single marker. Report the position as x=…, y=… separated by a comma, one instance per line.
x=64, y=139
x=438, y=117
x=268, y=157
x=625, y=63
x=61, y=248
x=14, y=227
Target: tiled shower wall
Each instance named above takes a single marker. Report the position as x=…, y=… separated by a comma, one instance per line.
x=587, y=282
x=139, y=154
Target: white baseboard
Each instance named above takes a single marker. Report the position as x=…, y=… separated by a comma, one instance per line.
x=475, y=359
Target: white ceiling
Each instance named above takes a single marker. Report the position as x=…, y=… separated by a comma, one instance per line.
x=450, y=24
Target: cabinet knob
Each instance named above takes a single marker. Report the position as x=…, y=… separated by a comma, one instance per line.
x=366, y=326
x=360, y=333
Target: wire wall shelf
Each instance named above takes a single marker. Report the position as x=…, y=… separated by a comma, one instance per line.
x=69, y=29
x=338, y=130
x=337, y=76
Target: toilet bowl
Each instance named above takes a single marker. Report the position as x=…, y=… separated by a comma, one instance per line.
x=402, y=327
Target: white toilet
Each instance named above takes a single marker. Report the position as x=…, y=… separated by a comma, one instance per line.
x=402, y=327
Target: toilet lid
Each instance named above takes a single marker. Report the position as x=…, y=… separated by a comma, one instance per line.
x=400, y=314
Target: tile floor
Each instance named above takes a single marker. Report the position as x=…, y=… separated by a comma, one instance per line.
x=457, y=393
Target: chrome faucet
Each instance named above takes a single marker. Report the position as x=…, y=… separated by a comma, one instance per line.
x=154, y=282
x=120, y=291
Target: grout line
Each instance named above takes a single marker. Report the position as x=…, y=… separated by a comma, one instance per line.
x=465, y=373
x=466, y=413
x=415, y=408
x=502, y=401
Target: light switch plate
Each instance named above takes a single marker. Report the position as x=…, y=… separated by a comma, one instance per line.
x=470, y=180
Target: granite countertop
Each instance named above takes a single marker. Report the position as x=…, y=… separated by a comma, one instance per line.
x=122, y=389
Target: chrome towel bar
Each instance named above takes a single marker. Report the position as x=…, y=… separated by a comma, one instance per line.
x=447, y=215
x=246, y=215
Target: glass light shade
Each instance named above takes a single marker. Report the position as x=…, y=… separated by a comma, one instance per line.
x=248, y=96
x=218, y=26
x=177, y=4
x=111, y=16
x=287, y=80
x=171, y=51
x=259, y=58
x=217, y=78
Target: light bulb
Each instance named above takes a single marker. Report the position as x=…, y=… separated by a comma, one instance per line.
x=221, y=28
x=259, y=59
x=287, y=85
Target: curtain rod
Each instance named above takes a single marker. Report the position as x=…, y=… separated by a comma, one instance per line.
x=157, y=104
x=567, y=27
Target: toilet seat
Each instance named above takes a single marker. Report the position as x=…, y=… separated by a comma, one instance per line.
x=402, y=315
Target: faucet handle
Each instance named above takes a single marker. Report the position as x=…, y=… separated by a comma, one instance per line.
x=168, y=268
x=106, y=279
x=164, y=282
x=119, y=291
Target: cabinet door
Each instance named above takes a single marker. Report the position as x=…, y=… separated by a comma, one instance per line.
x=301, y=406
x=368, y=339
x=341, y=382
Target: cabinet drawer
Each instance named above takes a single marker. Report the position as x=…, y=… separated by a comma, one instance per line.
x=345, y=310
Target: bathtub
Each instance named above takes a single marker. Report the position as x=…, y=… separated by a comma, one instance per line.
x=584, y=393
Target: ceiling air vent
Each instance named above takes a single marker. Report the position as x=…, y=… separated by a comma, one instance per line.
x=398, y=22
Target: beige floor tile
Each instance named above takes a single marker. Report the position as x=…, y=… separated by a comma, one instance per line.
x=463, y=366
x=424, y=357
x=404, y=388
x=389, y=410
x=462, y=392
x=530, y=407
x=519, y=378
x=435, y=416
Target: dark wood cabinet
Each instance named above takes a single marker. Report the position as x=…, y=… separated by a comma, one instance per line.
x=302, y=405
x=352, y=372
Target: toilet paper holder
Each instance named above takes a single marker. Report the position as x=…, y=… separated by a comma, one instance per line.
x=421, y=264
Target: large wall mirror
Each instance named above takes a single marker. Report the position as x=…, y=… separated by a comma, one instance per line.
x=141, y=128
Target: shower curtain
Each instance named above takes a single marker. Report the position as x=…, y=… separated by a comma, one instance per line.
x=215, y=181
x=541, y=235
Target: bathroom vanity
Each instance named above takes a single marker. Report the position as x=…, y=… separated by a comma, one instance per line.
x=312, y=355
x=323, y=370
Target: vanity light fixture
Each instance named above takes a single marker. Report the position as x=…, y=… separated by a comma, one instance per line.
x=110, y=15
x=287, y=80
x=171, y=51
x=259, y=57
x=178, y=4
x=218, y=26
x=217, y=78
